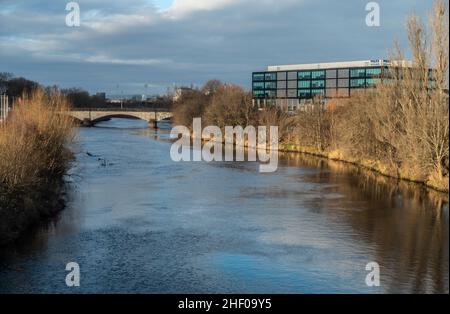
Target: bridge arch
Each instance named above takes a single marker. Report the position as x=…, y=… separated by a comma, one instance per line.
x=91, y=117
x=117, y=115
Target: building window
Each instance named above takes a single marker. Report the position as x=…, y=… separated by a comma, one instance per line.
x=292, y=75
x=304, y=93
x=270, y=93
x=343, y=73
x=373, y=81
x=258, y=77
x=258, y=93
x=318, y=83
x=292, y=84
x=281, y=93
x=331, y=74
x=318, y=74
x=317, y=92
x=281, y=76
x=258, y=85
x=304, y=84
x=281, y=84
x=292, y=93
x=270, y=85
x=358, y=72
x=373, y=72
x=331, y=83
x=302, y=75
x=343, y=82
x=357, y=82
x=271, y=76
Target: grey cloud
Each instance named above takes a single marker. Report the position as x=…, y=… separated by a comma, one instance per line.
x=132, y=44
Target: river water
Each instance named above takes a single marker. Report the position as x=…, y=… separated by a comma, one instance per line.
x=138, y=222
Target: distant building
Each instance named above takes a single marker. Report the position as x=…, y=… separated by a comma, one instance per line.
x=179, y=91
x=289, y=86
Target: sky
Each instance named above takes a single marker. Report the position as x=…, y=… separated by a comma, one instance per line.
x=146, y=47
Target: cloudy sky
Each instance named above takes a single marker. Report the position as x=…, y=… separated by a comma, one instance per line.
x=123, y=45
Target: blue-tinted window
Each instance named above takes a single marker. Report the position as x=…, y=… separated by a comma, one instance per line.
x=318, y=74
x=271, y=85
x=357, y=82
x=358, y=72
x=304, y=75
x=373, y=81
x=271, y=76
x=258, y=85
x=258, y=93
x=270, y=93
x=304, y=84
x=258, y=76
x=373, y=72
x=318, y=83
x=318, y=92
x=304, y=93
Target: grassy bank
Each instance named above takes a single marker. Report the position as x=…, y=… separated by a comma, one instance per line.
x=440, y=184
x=33, y=160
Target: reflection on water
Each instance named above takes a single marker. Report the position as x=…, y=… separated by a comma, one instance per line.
x=138, y=222
x=407, y=225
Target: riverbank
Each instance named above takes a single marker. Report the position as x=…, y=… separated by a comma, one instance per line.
x=21, y=210
x=440, y=185
x=33, y=161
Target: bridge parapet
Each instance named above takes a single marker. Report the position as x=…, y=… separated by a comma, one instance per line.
x=90, y=117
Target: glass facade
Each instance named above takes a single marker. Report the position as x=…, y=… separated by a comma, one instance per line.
x=270, y=85
x=258, y=85
x=257, y=77
x=358, y=72
x=318, y=83
x=271, y=76
x=376, y=72
x=372, y=81
x=318, y=92
x=306, y=84
x=304, y=93
x=304, y=75
x=358, y=82
x=317, y=74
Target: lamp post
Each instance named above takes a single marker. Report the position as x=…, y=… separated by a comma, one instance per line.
x=121, y=100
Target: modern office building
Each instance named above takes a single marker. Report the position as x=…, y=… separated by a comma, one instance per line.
x=289, y=86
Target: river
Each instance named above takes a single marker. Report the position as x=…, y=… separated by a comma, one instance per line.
x=138, y=222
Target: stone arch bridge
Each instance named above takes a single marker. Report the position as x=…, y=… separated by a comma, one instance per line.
x=89, y=117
